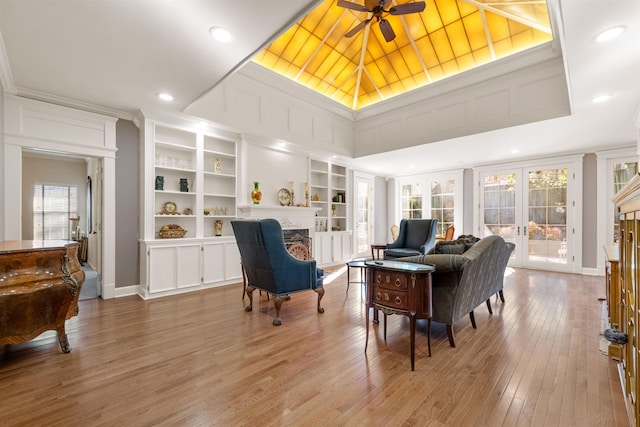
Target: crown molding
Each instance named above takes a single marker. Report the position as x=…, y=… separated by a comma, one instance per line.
x=6, y=78
x=72, y=103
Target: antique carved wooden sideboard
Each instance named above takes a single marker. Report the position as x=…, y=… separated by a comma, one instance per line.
x=627, y=201
x=40, y=282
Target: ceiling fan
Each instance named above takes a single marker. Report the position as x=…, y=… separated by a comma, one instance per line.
x=377, y=10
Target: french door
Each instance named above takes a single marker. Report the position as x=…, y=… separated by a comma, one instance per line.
x=533, y=207
x=363, y=214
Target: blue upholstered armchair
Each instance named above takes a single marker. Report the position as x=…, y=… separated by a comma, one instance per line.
x=270, y=267
x=416, y=237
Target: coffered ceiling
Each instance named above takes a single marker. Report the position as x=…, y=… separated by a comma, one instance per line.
x=448, y=37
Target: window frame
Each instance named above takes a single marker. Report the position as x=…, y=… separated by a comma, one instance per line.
x=44, y=210
x=425, y=181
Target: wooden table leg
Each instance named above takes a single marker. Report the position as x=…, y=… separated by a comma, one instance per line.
x=429, y=335
x=412, y=323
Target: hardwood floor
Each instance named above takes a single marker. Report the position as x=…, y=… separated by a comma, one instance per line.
x=199, y=359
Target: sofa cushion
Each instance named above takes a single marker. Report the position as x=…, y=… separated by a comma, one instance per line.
x=443, y=263
x=400, y=252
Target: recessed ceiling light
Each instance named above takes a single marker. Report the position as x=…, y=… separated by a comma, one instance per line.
x=165, y=96
x=515, y=151
x=601, y=98
x=221, y=34
x=609, y=34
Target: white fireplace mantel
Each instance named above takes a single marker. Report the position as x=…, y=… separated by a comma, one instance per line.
x=288, y=216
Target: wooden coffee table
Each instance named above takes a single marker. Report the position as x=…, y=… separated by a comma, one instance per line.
x=403, y=288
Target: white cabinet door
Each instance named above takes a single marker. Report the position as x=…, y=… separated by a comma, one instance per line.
x=173, y=267
x=162, y=269
x=232, y=267
x=325, y=249
x=213, y=262
x=341, y=247
x=346, y=247
x=188, y=265
x=336, y=243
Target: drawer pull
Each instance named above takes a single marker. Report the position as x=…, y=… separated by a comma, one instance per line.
x=388, y=278
x=378, y=278
x=398, y=283
x=398, y=300
x=378, y=296
x=386, y=297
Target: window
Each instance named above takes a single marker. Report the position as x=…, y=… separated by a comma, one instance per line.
x=53, y=206
x=435, y=195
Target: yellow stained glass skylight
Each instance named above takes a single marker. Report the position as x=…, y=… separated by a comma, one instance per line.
x=447, y=38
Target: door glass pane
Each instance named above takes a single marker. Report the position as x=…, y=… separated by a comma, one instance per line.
x=442, y=201
x=363, y=240
x=547, y=223
x=411, y=201
x=499, y=206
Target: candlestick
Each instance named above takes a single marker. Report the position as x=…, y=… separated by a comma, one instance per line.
x=293, y=198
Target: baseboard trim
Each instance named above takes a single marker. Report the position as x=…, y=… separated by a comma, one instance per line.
x=125, y=291
x=591, y=272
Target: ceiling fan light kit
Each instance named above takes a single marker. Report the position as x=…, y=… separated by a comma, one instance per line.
x=378, y=12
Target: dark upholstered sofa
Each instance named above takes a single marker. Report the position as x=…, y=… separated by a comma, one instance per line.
x=466, y=275
x=416, y=237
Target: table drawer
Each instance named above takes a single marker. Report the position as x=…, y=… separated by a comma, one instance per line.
x=390, y=297
x=391, y=279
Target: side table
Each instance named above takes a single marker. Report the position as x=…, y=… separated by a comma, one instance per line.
x=400, y=288
x=377, y=248
x=358, y=263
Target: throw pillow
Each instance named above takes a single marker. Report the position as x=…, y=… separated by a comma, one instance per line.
x=454, y=247
x=449, y=247
x=468, y=240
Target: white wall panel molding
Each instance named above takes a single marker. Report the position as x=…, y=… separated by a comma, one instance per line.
x=257, y=101
x=538, y=92
x=51, y=127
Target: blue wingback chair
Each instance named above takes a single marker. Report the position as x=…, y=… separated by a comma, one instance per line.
x=270, y=267
x=416, y=237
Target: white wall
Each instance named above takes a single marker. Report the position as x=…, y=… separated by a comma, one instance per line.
x=272, y=169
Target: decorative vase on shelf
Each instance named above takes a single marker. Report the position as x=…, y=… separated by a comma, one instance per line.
x=218, y=227
x=256, y=194
x=184, y=185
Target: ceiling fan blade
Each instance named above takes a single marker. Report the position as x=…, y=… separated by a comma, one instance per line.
x=352, y=6
x=386, y=30
x=403, y=9
x=355, y=30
